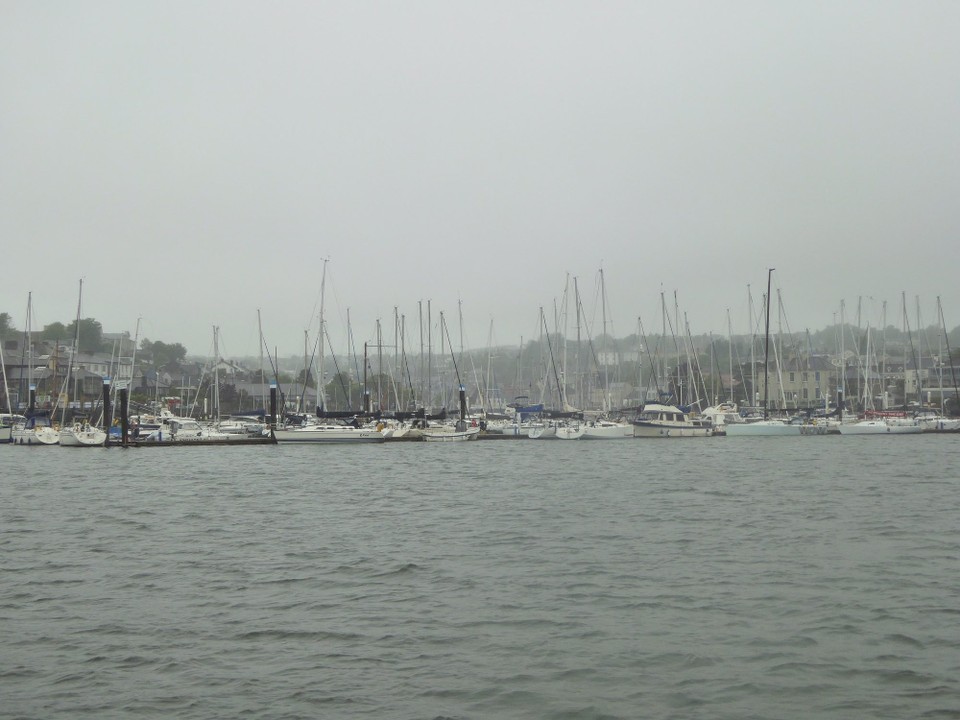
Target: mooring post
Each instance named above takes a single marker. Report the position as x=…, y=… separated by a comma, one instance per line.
x=124, y=420
x=273, y=406
x=107, y=419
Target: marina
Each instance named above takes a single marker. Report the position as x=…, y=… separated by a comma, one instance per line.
x=479, y=361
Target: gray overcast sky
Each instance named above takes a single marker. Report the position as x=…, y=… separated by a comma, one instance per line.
x=195, y=161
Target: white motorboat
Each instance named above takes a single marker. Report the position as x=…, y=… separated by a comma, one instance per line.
x=7, y=422
x=656, y=420
x=722, y=415
x=243, y=425
x=934, y=422
x=174, y=429
x=450, y=433
x=441, y=435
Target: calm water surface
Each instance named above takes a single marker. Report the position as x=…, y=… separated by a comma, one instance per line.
x=718, y=578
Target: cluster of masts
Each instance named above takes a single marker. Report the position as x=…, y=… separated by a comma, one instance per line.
x=573, y=372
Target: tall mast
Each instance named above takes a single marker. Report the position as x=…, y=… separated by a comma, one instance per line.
x=916, y=363
x=674, y=329
x=946, y=340
x=395, y=367
x=6, y=387
x=939, y=360
x=352, y=352
x=306, y=371
x=379, y=366
x=263, y=396
x=72, y=360
x=420, y=377
x=766, y=352
x=321, y=387
x=778, y=351
x=882, y=358
x=753, y=347
x=606, y=360
x=866, y=376
x=920, y=335
x=429, y=357
x=730, y=354
x=26, y=353
x=216, y=374
x=663, y=339
x=579, y=379
x=563, y=357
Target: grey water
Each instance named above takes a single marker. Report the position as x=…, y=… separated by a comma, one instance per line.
x=738, y=578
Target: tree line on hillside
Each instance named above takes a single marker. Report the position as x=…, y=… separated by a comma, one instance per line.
x=90, y=340
x=925, y=341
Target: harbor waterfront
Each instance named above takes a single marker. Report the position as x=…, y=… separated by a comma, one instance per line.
x=772, y=577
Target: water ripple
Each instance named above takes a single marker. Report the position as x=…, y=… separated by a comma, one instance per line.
x=715, y=579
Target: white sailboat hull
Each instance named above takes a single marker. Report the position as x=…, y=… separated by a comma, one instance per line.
x=571, y=432
x=652, y=430
x=608, y=431
x=441, y=435
x=540, y=431
x=764, y=428
x=939, y=424
x=82, y=437
x=44, y=436
x=879, y=427
x=329, y=434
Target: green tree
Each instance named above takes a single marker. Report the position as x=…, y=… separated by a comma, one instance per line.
x=162, y=354
x=6, y=326
x=91, y=335
x=338, y=390
x=229, y=399
x=56, y=331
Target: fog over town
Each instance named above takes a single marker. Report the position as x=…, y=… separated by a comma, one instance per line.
x=196, y=165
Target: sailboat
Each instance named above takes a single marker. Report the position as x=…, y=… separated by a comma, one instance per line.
x=766, y=426
x=884, y=422
x=81, y=433
x=36, y=429
x=7, y=419
x=459, y=431
x=603, y=429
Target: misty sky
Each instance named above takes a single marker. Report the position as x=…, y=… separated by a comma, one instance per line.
x=196, y=161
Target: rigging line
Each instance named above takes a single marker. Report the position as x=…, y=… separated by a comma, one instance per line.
x=946, y=340
x=590, y=345
x=552, y=362
x=653, y=365
x=403, y=358
x=276, y=372
x=336, y=366
x=913, y=356
x=446, y=330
